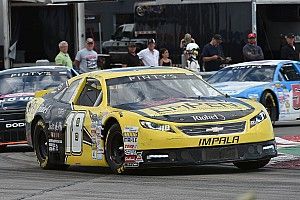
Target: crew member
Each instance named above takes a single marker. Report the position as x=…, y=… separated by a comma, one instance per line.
x=212, y=54
x=252, y=51
x=131, y=59
x=289, y=51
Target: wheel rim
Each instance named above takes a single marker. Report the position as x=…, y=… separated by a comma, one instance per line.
x=43, y=146
x=117, y=149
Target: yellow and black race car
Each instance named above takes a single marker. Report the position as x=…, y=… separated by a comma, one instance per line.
x=146, y=117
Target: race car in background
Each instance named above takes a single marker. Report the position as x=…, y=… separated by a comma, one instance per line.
x=274, y=83
x=17, y=87
x=146, y=117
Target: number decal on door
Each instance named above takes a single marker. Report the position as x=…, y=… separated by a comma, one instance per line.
x=74, y=132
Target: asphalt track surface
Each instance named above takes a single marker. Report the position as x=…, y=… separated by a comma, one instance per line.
x=21, y=178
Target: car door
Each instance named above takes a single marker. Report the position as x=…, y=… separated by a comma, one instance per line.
x=84, y=143
x=290, y=96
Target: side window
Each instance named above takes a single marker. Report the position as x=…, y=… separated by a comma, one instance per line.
x=70, y=91
x=290, y=73
x=91, y=94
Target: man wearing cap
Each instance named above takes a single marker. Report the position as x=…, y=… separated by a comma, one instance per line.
x=131, y=59
x=63, y=57
x=252, y=51
x=212, y=54
x=86, y=58
x=150, y=55
x=289, y=51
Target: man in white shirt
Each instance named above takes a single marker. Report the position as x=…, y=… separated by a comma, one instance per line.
x=149, y=56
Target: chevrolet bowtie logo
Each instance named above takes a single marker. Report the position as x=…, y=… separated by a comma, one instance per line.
x=215, y=129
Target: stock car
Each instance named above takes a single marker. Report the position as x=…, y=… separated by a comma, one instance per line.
x=141, y=117
x=274, y=83
x=17, y=87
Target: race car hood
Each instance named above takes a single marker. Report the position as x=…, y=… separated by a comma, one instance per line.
x=15, y=101
x=235, y=87
x=202, y=110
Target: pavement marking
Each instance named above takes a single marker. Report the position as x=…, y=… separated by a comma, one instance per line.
x=288, y=153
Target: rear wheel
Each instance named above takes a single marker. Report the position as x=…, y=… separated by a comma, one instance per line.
x=41, y=147
x=114, y=149
x=269, y=103
x=252, y=165
x=41, y=144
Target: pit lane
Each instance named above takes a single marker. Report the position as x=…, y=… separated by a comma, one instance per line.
x=21, y=178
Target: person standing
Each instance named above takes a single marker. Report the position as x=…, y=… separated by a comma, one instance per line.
x=289, y=51
x=150, y=55
x=131, y=59
x=63, y=57
x=86, y=58
x=252, y=51
x=212, y=54
x=165, y=60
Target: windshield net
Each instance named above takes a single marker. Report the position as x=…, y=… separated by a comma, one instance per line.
x=136, y=92
x=29, y=82
x=244, y=73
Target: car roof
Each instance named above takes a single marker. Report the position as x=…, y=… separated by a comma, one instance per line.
x=133, y=71
x=263, y=62
x=33, y=69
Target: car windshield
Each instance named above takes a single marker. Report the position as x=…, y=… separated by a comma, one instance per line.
x=261, y=73
x=29, y=82
x=137, y=92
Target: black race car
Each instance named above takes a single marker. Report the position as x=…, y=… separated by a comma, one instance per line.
x=17, y=87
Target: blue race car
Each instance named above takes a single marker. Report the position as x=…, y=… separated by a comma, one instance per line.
x=274, y=83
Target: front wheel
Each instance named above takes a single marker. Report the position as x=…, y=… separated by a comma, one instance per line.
x=252, y=165
x=114, y=149
x=269, y=103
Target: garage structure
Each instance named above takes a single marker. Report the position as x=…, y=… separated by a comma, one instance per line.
x=31, y=29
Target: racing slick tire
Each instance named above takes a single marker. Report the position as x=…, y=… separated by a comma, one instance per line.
x=114, y=149
x=41, y=147
x=251, y=165
x=269, y=102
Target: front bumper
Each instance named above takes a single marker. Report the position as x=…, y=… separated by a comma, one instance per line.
x=209, y=155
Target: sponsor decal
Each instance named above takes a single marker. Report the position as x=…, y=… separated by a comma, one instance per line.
x=54, y=145
x=55, y=126
x=208, y=117
x=131, y=129
x=61, y=112
x=31, y=74
x=15, y=125
x=97, y=137
x=44, y=108
x=189, y=106
x=130, y=139
x=296, y=96
x=152, y=77
x=219, y=141
x=13, y=99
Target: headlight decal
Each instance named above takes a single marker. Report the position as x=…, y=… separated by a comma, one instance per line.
x=156, y=126
x=258, y=119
